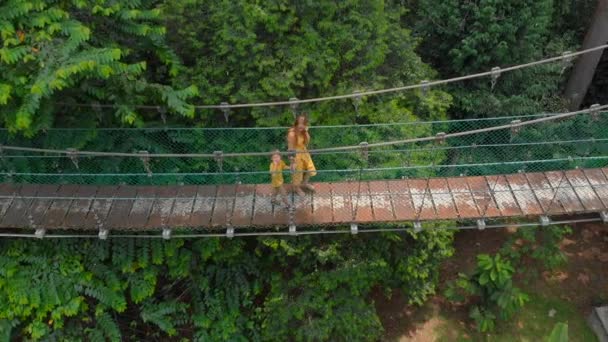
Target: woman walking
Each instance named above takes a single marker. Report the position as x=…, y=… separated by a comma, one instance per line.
x=298, y=139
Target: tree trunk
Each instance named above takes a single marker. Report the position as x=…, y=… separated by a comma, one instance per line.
x=584, y=69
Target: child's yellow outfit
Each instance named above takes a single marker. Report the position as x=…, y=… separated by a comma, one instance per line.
x=276, y=179
x=276, y=173
x=302, y=160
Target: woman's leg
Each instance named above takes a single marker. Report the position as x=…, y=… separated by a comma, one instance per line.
x=298, y=176
x=305, y=185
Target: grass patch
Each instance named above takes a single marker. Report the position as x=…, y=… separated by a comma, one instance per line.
x=532, y=324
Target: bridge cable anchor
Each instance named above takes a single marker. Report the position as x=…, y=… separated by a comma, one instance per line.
x=594, y=110
x=417, y=226
x=73, y=155
x=218, y=156
x=103, y=233
x=145, y=159
x=545, y=220
x=515, y=128
x=163, y=113
x=357, y=101
x=566, y=60
x=292, y=230
x=354, y=228
x=40, y=233
x=364, y=150
x=604, y=216
x=495, y=74
x=226, y=110
x=424, y=87
x=294, y=106
x=230, y=232
x=440, y=138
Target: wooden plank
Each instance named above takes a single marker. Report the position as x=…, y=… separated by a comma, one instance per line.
x=599, y=183
x=584, y=190
x=121, y=207
x=162, y=207
x=7, y=191
x=322, y=204
x=40, y=206
x=58, y=210
x=362, y=203
x=138, y=217
x=100, y=207
x=79, y=208
x=503, y=196
x=281, y=214
x=544, y=193
x=243, y=206
x=224, y=204
x=182, y=209
x=442, y=199
x=341, y=202
x=17, y=214
x=524, y=195
x=565, y=194
x=482, y=194
x=303, y=210
x=465, y=203
x=381, y=201
x=202, y=210
x=402, y=200
x=422, y=198
x=262, y=211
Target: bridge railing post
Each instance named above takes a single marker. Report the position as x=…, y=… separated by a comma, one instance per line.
x=225, y=110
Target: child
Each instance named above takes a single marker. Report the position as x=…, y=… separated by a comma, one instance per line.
x=276, y=176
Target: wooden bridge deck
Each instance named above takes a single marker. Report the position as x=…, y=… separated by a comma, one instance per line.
x=154, y=207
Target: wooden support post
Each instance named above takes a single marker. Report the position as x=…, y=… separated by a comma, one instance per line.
x=584, y=69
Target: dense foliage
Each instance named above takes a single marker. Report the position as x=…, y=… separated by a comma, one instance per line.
x=59, y=60
x=461, y=37
x=58, y=52
x=244, y=289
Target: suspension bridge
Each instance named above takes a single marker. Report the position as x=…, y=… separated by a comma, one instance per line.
x=409, y=175
x=475, y=170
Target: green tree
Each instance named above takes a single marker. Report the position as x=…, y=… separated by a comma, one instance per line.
x=461, y=37
x=307, y=288
x=80, y=51
x=247, y=51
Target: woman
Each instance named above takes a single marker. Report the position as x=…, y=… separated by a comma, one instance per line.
x=301, y=163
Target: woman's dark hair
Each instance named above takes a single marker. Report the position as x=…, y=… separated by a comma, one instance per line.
x=303, y=117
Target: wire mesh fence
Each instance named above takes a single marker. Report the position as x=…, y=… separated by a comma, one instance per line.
x=580, y=141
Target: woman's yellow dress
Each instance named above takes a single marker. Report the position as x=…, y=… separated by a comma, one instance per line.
x=303, y=161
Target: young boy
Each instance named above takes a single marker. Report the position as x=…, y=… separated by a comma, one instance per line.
x=276, y=177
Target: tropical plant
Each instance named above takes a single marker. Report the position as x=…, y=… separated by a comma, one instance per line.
x=491, y=283
x=55, y=54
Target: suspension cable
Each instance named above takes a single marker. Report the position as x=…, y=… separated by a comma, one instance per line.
x=232, y=173
x=312, y=151
x=286, y=233
x=406, y=150
x=565, y=56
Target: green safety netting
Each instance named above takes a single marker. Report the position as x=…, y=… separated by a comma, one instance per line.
x=579, y=141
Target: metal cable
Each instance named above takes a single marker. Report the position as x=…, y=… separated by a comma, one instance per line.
x=236, y=173
x=565, y=56
x=282, y=233
x=312, y=151
x=407, y=150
